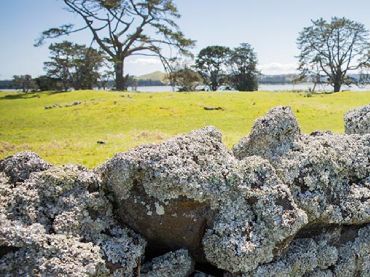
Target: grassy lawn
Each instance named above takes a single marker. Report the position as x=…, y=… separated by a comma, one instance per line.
x=124, y=120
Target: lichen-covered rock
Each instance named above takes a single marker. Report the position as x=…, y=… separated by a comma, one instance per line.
x=327, y=174
x=336, y=251
x=259, y=219
x=357, y=121
x=59, y=222
x=171, y=192
x=19, y=167
x=168, y=192
x=193, y=166
x=303, y=257
x=272, y=135
x=354, y=255
x=329, y=177
x=285, y=204
x=33, y=252
x=173, y=264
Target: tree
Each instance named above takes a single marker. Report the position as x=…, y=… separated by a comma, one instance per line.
x=185, y=79
x=60, y=66
x=242, y=65
x=123, y=28
x=211, y=65
x=333, y=49
x=24, y=82
x=74, y=65
x=87, y=65
x=46, y=83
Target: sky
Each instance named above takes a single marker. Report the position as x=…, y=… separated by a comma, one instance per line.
x=270, y=26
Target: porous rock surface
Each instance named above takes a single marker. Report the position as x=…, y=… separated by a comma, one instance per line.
x=272, y=135
x=357, y=121
x=280, y=204
x=19, y=167
x=173, y=264
x=58, y=222
x=241, y=207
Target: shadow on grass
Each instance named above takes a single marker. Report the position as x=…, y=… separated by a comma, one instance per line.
x=20, y=95
x=57, y=92
x=23, y=95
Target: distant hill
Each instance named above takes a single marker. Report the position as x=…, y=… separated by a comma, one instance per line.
x=154, y=76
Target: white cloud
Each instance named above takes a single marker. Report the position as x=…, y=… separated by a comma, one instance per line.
x=144, y=61
x=278, y=68
x=142, y=65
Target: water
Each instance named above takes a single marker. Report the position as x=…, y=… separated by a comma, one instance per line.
x=262, y=87
x=270, y=87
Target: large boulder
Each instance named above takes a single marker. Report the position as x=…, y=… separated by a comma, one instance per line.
x=357, y=121
x=327, y=174
x=176, y=192
x=19, y=167
x=329, y=177
x=272, y=135
x=59, y=222
x=170, y=192
x=255, y=223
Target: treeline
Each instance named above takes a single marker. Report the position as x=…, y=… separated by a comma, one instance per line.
x=219, y=67
x=329, y=51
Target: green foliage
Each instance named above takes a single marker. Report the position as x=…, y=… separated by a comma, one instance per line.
x=243, y=72
x=46, y=83
x=211, y=64
x=235, y=68
x=24, y=82
x=125, y=120
x=185, y=79
x=74, y=65
x=333, y=49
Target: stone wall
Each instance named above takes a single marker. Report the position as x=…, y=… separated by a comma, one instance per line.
x=281, y=203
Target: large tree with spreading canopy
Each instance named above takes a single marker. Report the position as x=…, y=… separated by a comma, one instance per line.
x=124, y=28
x=333, y=49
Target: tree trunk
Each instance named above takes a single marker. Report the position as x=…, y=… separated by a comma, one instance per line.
x=337, y=86
x=120, y=79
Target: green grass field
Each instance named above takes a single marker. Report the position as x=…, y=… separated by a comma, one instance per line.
x=125, y=120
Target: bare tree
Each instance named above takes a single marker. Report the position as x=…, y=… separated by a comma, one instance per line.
x=124, y=28
x=333, y=49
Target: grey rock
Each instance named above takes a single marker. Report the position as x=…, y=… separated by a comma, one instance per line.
x=357, y=121
x=354, y=255
x=303, y=257
x=328, y=176
x=272, y=135
x=59, y=222
x=257, y=220
x=285, y=204
x=173, y=264
x=172, y=192
x=169, y=192
x=19, y=167
x=339, y=251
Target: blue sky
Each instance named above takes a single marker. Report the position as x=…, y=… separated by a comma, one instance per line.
x=271, y=26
